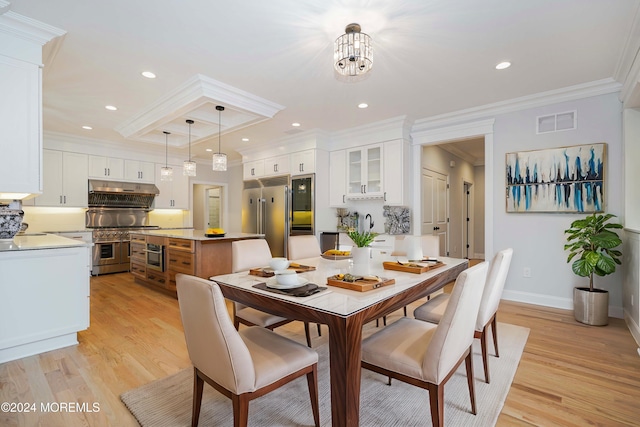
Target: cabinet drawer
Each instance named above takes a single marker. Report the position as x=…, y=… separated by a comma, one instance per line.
x=157, y=278
x=138, y=252
x=138, y=238
x=139, y=269
x=181, y=262
x=182, y=244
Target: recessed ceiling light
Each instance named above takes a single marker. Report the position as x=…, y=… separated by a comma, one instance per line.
x=503, y=65
x=295, y=124
x=87, y=127
x=363, y=105
x=245, y=139
x=111, y=107
x=209, y=150
x=149, y=74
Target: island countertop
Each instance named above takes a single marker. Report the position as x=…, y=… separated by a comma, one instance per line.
x=39, y=241
x=190, y=234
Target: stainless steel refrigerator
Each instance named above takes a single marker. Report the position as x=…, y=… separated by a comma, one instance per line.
x=265, y=210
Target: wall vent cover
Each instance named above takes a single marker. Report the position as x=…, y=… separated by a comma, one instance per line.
x=557, y=122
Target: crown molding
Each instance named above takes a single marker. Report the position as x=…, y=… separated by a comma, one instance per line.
x=571, y=93
x=384, y=130
x=628, y=67
x=26, y=28
x=426, y=133
x=311, y=139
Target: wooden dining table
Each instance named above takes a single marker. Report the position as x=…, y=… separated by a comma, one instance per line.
x=344, y=311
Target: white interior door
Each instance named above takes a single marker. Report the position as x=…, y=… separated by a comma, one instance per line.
x=435, y=207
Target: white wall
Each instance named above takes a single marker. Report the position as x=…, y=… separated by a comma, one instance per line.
x=538, y=239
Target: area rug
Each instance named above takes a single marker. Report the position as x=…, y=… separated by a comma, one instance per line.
x=167, y=401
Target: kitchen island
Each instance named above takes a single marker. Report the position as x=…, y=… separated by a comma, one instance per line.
x=44, y=294
x=180, y=251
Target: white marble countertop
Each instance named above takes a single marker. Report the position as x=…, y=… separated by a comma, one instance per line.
x=39, y=241
x=182, y=233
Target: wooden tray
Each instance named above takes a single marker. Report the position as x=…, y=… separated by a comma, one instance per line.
x=361, y=285
x=392, y=265
x=268, y=271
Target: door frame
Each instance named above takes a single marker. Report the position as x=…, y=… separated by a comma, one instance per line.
x=438, y=132
x=447, y=239
x=224, y=198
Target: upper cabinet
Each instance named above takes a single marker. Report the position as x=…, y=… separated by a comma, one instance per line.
x=65, y=179
x=106, y=167
x=20, y=126
x=303, y=162
x=253, y=170
x=276, y=165
x=364, y=171
x=338, y=178
x=138, y=171
x=298, y=163
x=174, y=194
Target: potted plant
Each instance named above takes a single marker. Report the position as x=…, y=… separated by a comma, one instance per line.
x=362, y=252
x=592, y=242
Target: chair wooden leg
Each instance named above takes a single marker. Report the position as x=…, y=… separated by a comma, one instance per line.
x=436, y=400
x=384, y=320
x=240, y=410
x=312, y=382
x=307, y=334
x=198, y=386
x=472, y=390
x=485, y=358
x=405, y=311
x=494, y=332
x=319, y=329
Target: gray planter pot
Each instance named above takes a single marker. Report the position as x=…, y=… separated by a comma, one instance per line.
x=591, y=308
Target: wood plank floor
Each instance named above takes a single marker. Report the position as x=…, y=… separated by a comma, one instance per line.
x=569, y=375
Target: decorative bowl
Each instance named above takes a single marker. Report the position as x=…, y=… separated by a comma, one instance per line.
x=279, y=263
x=286, y=277
x=10, y=222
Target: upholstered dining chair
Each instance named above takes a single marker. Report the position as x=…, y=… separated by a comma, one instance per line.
x=432, y=310
x=242, y=365
x=245, y=255
x=304, y=246
x=427, y=355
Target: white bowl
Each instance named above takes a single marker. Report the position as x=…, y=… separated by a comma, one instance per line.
x=279, y=263
x=286, y=277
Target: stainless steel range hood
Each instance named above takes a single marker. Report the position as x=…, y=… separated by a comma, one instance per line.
x=121, y=194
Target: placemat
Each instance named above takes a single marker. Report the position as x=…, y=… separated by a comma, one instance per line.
x=301, y=291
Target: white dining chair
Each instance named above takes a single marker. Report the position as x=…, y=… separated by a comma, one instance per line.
x=245, y=255
x=433, y=310
x=427, y=355
x=304, y=246
x=242, y=365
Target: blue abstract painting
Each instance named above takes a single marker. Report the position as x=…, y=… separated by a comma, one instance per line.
x=566, y=179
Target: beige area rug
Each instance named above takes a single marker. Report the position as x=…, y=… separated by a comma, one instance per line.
x=167, y=401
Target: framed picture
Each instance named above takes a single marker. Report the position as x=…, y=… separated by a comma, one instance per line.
x=565, y=179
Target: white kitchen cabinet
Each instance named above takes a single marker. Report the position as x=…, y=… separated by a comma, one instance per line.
x=276, y=165
x=20, y=126
x=394, y=172
x=365, y=172
x=65, y=179
x=303, y=162
x=137, y=171
x=337, y=178
x=253, y=170
x=174, y=194
x=102, y=167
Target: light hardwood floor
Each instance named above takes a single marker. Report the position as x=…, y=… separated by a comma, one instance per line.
x=569, y=375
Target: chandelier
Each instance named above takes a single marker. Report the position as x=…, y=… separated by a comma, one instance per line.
x=189, y=166
x=166, y=173
x=219, y=158
x=353, y=54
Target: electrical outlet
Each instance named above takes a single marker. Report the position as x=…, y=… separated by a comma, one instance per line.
x=526, y=272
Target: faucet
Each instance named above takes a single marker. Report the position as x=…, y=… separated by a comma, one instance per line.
x=370, y=220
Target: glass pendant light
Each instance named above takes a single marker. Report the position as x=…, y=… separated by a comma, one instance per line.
x=189, y=166
x=166, y=173
x=219, y=159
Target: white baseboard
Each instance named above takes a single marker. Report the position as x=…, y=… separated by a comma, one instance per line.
x=478, y=256
x=549, y=301
x=29, y=349
x=633, y=327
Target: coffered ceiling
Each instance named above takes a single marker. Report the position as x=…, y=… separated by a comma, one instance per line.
x=270, y=63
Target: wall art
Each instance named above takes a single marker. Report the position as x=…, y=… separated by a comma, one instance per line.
x=565, y=179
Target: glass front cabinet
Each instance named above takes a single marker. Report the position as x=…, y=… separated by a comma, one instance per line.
x=364, y=171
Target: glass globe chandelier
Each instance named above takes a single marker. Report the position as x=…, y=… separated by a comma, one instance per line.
x=219, y=158
x=166, y=173
x=353, y=53
x=189, y=166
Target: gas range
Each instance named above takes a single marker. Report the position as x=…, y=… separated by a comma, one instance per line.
x=113, y=234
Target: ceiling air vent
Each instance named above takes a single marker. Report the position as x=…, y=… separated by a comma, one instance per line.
x=557, y=122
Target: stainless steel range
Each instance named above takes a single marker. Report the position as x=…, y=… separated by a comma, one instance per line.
x=115, y=210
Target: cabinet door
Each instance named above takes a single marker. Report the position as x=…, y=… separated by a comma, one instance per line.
x=337, y=178
x=355, y=171
x=106, y=167
x=303, y=162
x=253, y=170
x=163, y=199
x=393, y=173
x=20, y=126
x=372, y=178
x=174, y=194
x=52, y=179
x=276, y=165
x=135, y=170
x=75, y=180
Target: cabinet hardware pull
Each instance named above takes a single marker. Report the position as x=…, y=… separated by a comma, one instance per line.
x=105, y=171
x=343, y=201
x=65, y=199
x=385, y=196
x=60, y=199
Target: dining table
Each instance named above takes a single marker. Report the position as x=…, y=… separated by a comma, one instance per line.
x=344, y=311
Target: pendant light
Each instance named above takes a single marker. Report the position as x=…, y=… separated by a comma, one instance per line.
x=219, y=158
x=166, y=173
x=189, y=166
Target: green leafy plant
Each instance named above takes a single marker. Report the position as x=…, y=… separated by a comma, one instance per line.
x=363, y=239
x=592, y=241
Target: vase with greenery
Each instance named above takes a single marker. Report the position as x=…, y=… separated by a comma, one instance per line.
x=592, y=248
x=361, y=254
x=361, y=239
